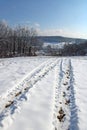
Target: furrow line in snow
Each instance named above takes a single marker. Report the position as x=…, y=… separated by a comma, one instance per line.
x=17, y=94
x=29, y=75
x=57, y=85
x=73, y=107
x=16, y=90
x=63, y=99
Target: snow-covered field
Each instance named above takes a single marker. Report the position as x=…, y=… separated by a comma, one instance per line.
x=43, y=93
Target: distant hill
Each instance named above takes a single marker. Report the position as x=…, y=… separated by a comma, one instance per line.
x=58, y=39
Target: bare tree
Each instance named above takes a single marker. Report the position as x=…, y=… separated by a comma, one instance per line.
x=18, y=41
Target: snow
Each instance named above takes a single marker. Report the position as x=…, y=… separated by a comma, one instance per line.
x=37, y=113
x=33, y=90
x=56, y=45
x=12, y=70
x=80, y=86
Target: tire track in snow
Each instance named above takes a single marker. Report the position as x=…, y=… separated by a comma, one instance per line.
x=37, y=112
x=73, y=107
x=16, y=90
x=64, y=97
x=57, y=85
x=18, y=94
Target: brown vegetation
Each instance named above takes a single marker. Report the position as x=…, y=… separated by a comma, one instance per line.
x=61, y=114
x=9, y=104
x=17, y=94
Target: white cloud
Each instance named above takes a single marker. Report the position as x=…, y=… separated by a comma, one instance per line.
x=61, y=32
x=37, y=25
x=4, y=22
x=55, y=32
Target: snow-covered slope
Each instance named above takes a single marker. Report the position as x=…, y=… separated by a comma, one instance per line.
x=80, y=86
x=13, y=70
x=48, y=93
x=56, y=45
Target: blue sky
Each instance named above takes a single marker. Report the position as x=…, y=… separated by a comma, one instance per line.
x=50, y=17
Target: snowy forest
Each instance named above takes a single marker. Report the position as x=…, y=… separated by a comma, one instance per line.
x=18, y=41
x=24, y=41
x=70, y=50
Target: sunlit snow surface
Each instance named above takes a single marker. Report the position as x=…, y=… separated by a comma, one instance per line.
x=39, y=81
x=12, y=70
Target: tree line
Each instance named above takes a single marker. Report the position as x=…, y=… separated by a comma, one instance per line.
x=69, y=50
x=74, y=49
x=23, y=41
x=18, y=41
